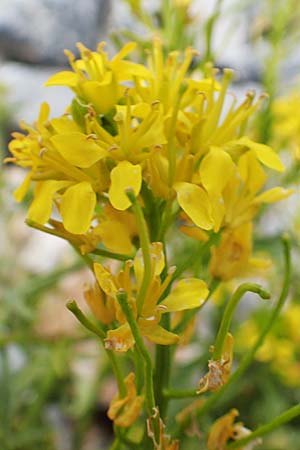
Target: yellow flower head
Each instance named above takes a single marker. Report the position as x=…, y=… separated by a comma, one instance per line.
x=130, y=126
x=187, y=294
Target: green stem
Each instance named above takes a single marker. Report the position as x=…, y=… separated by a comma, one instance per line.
x=163, y=353
x=72, y=306
x=53, y=232
x=228, y=313
x=138, y=365
x=183, y=393
x=145, y=245
x=121, y=434
x=162, y=370
x=142, y=349
x=111, y=255
x=76, y=242
x=268, y=428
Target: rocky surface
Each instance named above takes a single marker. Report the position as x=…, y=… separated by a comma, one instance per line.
x=37, y=31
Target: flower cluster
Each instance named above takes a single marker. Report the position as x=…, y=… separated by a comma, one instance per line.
x=150, y=129
x=141, y=150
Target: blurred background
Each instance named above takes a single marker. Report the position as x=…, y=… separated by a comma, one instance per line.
x=55, y=383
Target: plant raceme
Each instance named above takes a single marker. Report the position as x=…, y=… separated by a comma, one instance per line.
x=143, y=156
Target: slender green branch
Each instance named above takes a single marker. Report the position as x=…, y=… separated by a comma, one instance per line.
x=121, y=434
x=111, y=255
x=163, y=353
x=86, y=258
x=285, y=417
x=229, y=310
x=184, y=393
x=162, y=370
x=53, y=232
x=145, y=245
x=76, y=242
x=72, y=306
x=141, y=348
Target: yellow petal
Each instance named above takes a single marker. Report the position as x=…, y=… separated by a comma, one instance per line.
x=189, y=293
x=157, y=334
x=64, y=125
x=124, y=176
x=77, y=207
x=125, y=50
x=273, y=195
x=103, y=95
x=130, y=413
x=65, y=78
x=115, y=236
x=194, y=232
x=102, y=308
x=21, y=191
x=128, y=70
x=41, y=207
x=195, y=203
x=105, y=280
x=221, y=431
x=264, y=154
x=120, y=339
x=251, y=172
x=44, y=113
x=216, y=170
x=78, y=149
x=125, y=410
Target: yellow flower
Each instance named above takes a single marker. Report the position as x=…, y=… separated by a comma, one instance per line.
x=227, y=190
x=124, y=411
x=97, y=80
x=130, y=124
x=187, y=294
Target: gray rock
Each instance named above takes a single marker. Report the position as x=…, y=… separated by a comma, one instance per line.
x=37, y=31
